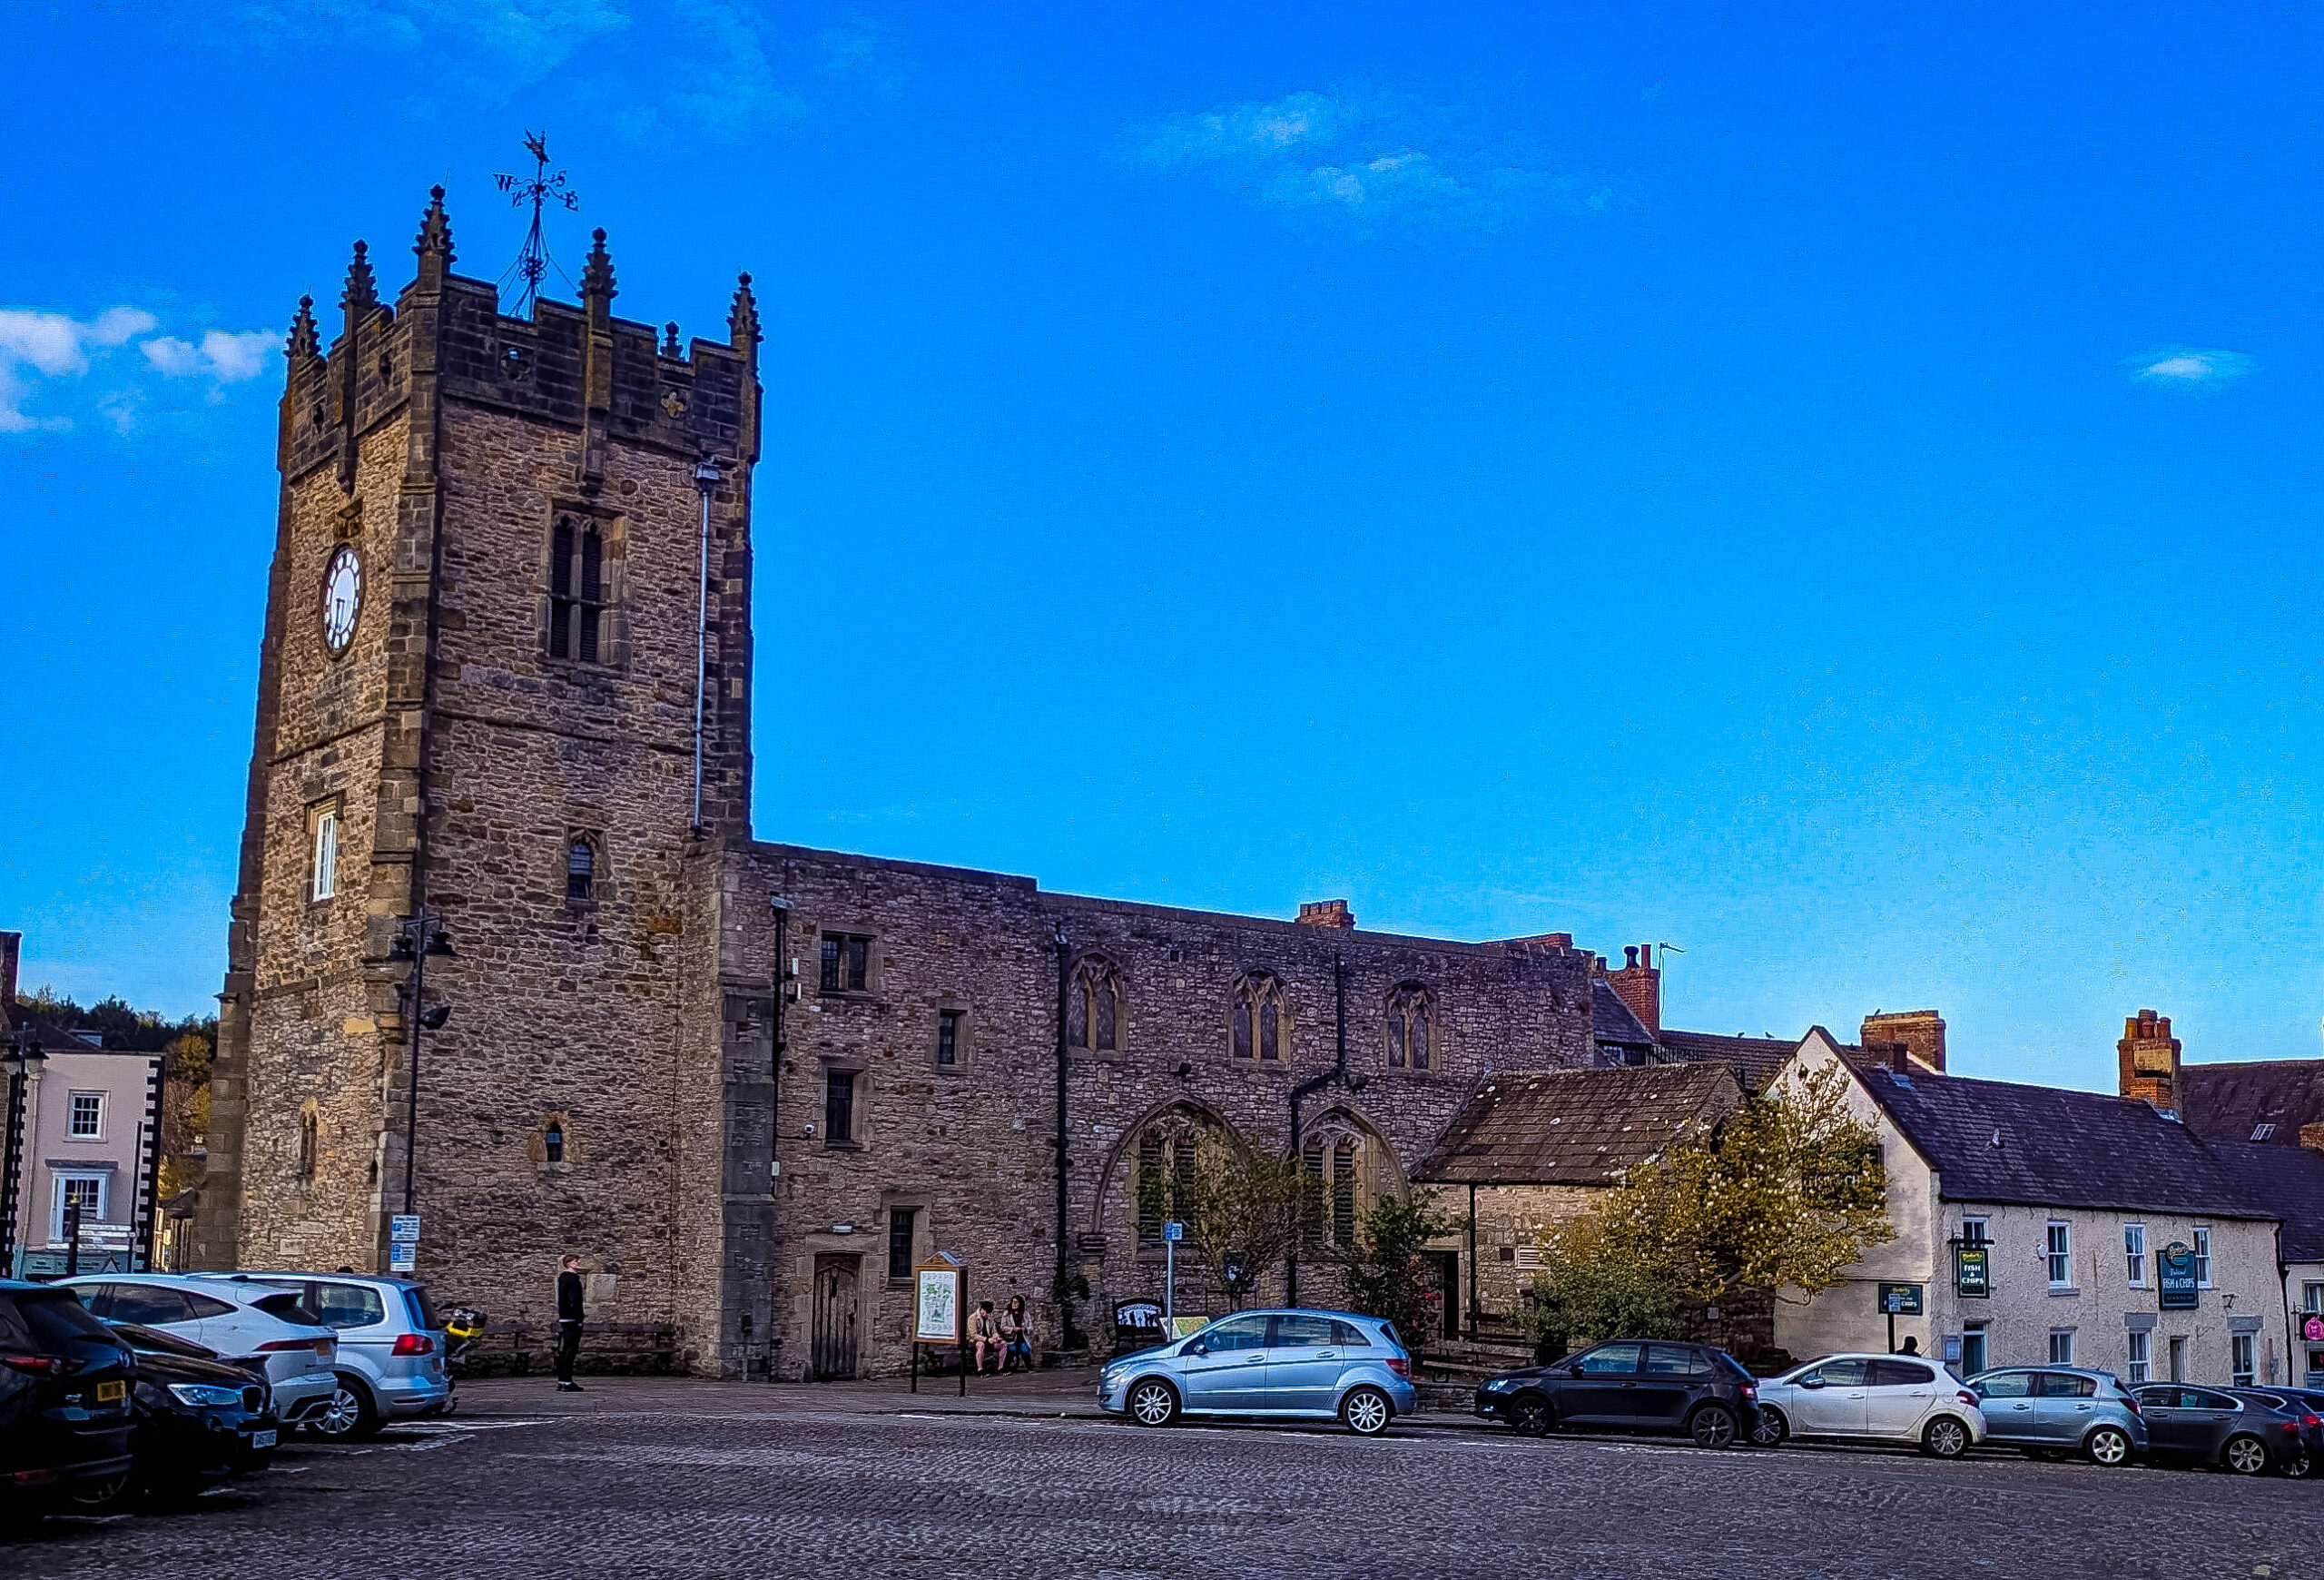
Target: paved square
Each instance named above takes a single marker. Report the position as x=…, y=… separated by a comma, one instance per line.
x=653, y=1477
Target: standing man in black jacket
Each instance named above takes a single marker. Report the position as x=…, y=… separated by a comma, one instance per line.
x=568, y=1324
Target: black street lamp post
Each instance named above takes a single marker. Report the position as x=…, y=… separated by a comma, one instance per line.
x=419, y=939
x=21, y=1058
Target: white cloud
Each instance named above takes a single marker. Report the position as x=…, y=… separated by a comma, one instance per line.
x=55, y=346
x=2188, y=368
x=1364, y=156
x=225, y=357
x=37, y=345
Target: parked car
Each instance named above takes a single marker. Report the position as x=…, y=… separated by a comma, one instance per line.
x=1881, y=1399
x=1635, y=1384
x=2053, y=1411
x=393, y=1349
x=1287, y=1364
x=265, y=1329
x=2301, y=1417
x=196, y=1420
x=2213, y=1427
x=65, y=1408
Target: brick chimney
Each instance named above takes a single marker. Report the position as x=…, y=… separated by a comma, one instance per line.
x=2150, y=1060
x=1326, y=913
x=12, y=949
x=1639, y=984
x=1921, y=1032
x=2312, y=1137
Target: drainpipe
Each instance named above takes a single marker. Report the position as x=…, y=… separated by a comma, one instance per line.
x=1064, y=1298
x=782, y=909
x=705, y=478
x=1472, y=1262
x=1301, y=1092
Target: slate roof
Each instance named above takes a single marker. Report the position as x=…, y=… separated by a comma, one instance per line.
x=2229, y=1102
x=1754, y=1060
x=1576, y=1127
x=2058, y=1147
x=1612, y=1020
x=2290, y=1179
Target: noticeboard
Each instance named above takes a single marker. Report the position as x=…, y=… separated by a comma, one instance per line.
x=1900, y=1300
x=936, y=1300
x=2175, y=1268
x=1973, y=1272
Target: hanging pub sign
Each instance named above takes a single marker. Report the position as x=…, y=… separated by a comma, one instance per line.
x=2176, y=1267
x=936, y=1300
x=1973, y=1271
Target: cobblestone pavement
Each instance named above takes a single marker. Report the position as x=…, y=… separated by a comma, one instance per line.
x=653, y=1477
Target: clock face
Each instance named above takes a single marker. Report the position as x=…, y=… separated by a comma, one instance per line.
x=342, y=598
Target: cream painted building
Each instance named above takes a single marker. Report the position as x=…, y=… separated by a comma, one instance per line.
x=2074, y=1199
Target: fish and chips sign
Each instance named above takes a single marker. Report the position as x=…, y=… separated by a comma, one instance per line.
x=2176, y=1264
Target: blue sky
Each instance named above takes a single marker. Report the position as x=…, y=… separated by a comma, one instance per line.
x=1834, y=492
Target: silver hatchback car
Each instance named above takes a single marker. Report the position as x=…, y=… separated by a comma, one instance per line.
x=2052, y=1411
x=1294, y=1364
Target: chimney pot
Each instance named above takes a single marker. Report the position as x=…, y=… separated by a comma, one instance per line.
x=1646, y=954
x=1630, y=957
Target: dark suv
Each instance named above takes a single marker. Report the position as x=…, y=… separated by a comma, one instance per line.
x=64, y=1404
x=1639, y=1384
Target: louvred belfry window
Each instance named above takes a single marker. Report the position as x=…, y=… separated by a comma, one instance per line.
x=575, y=589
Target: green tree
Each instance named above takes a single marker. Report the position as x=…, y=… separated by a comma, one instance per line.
x=1783, y=1195
x=1384, y=1273
x=1241, y=1207
x=1586, y=1289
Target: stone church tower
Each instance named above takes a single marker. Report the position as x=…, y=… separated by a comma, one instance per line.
x=478, y=698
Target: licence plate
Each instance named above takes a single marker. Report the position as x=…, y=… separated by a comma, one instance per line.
x=263, y=1439
x=107, y=1392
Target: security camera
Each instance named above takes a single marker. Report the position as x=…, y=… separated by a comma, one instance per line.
x=807, y=1130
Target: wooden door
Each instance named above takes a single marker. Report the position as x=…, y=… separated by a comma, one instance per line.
x=833, y=1356
x=1449, y=1292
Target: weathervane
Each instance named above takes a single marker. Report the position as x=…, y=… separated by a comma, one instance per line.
x=541, y=188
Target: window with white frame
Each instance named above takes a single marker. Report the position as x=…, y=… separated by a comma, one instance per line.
x=2134, y=1253
x=2058, y=1253
x=2240, y=1347
x=88, y=1116
x=2203, y=1256
x=1973, y=1232
x=326, y=852
x=2312, y=1299
x=2138, y=1357
x=85, y=1191
x=2060, y=1346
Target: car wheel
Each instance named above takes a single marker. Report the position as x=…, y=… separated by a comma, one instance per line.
x=1771, y=1430
x=99, y=1496
x=1531, y=1416
x=2107, y=1445
x=1713, y=1427
x=2301, y=1465
x=1944, y=1438
x=1153, y=1403
x=2245, y=1455
x=349, y=1416
x=1367, y=1412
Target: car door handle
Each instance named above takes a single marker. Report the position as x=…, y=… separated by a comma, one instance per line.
x=1256, y=1359
x=1327, y=1354
x=2021, y=1407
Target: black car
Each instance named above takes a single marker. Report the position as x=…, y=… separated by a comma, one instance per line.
x=2215, y=1426
x=198, y=1419
x=2300, y=1419
x=64, y=1400
x=1638, y=1385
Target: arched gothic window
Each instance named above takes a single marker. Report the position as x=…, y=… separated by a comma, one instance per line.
x=576, y=595
x=1260, y=1018
x=1165, y=1173
x=1095, y=1014
x=580, y=867
x=1412, y=1028
x=1341, y=1159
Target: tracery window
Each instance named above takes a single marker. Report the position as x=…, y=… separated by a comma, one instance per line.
x=1095, y=1012
x=1166, y=1175
x=1260, y=1018
x=1412, y=1028
x=575, y=589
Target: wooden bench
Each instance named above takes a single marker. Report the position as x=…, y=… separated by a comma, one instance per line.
x=607, y=1349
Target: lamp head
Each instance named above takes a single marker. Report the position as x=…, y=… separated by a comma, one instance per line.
x=433, y=1019
x=440, y=945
